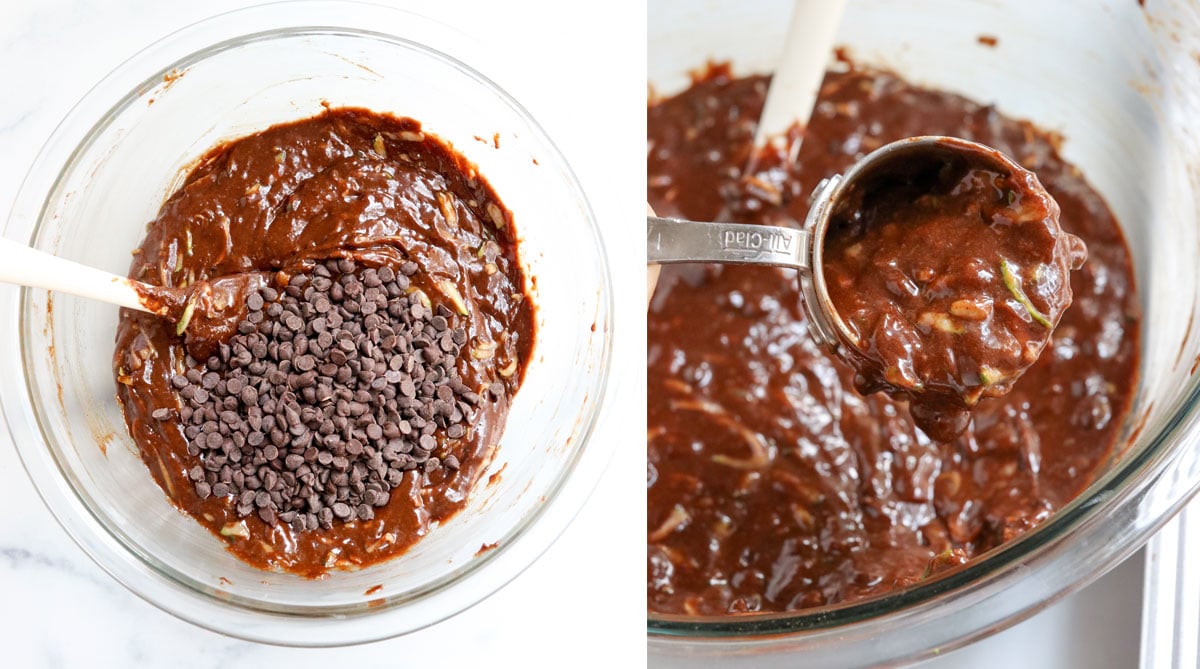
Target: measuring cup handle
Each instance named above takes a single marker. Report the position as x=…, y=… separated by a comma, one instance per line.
x=671, y=240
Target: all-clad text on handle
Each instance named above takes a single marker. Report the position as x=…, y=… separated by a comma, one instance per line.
x=670, y=240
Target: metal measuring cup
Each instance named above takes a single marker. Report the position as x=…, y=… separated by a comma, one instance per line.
x=671, y=240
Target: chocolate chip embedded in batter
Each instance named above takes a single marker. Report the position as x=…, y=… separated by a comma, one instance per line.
x=307, y=418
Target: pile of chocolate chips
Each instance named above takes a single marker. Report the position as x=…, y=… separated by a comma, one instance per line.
x=331, y=390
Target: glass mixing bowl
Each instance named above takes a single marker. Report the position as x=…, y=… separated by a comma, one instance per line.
x=102, y=176
x=1122, y=84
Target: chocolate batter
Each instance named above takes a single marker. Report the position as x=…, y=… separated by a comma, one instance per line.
x=773, y=485
x=346, y=184
x=950, y=270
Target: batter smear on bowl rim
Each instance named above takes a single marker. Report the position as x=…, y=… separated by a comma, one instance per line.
x=369, y=344
x=773, y=484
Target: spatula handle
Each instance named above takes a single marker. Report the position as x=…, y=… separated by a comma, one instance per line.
x=25, y=266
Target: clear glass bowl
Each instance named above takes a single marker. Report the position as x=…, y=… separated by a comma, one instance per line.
x=1121, y=83
x=102, y=176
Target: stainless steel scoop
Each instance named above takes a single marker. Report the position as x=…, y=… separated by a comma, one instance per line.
x=671, y=240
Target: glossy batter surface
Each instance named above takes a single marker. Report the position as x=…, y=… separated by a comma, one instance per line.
x=773, y=485
x=346, y=184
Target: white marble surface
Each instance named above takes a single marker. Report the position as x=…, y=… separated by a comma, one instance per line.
x=581, y=604
x=57, y=609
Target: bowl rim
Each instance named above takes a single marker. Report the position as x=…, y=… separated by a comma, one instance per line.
x=148, y=578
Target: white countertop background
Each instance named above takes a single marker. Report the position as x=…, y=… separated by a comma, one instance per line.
x=582, y=604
